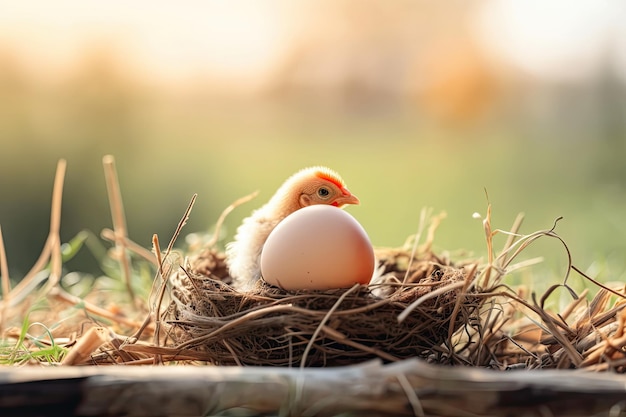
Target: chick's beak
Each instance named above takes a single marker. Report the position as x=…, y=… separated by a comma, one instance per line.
x=346, y=198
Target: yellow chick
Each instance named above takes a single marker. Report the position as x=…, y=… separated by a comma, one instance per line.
x=314, y=185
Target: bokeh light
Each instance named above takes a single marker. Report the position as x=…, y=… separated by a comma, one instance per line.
x=415, y=103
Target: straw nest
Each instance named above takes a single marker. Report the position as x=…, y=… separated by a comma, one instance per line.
x=411, y=311
x=423, y=305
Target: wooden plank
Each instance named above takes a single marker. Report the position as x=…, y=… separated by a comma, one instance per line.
x=405, y=388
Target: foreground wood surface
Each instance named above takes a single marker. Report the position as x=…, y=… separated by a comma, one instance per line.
x=405, y=388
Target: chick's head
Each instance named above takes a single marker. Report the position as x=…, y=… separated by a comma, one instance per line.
x=315, y=185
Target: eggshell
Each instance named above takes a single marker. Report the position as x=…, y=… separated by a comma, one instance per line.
x=317, y=247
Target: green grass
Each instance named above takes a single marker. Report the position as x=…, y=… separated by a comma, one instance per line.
x=29, y=348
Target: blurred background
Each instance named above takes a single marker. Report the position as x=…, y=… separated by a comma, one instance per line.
x=416, y=103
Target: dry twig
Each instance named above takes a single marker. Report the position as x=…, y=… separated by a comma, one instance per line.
x=119, y=222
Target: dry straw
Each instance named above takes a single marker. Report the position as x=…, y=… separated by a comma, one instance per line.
x=423, y=305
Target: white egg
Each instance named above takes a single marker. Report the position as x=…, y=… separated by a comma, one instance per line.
x=317, y=247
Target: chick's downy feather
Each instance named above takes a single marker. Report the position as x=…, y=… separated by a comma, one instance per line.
x=315, y=185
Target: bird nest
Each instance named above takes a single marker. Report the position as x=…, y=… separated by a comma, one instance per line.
x=412, y=310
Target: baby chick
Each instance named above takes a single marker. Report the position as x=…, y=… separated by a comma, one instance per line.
x=314, y=185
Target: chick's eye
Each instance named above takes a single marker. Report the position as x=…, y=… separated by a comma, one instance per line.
x=323, y=192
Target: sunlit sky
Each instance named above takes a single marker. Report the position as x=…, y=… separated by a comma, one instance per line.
x=244, y=40
x=235, y=38
x=559, y=39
